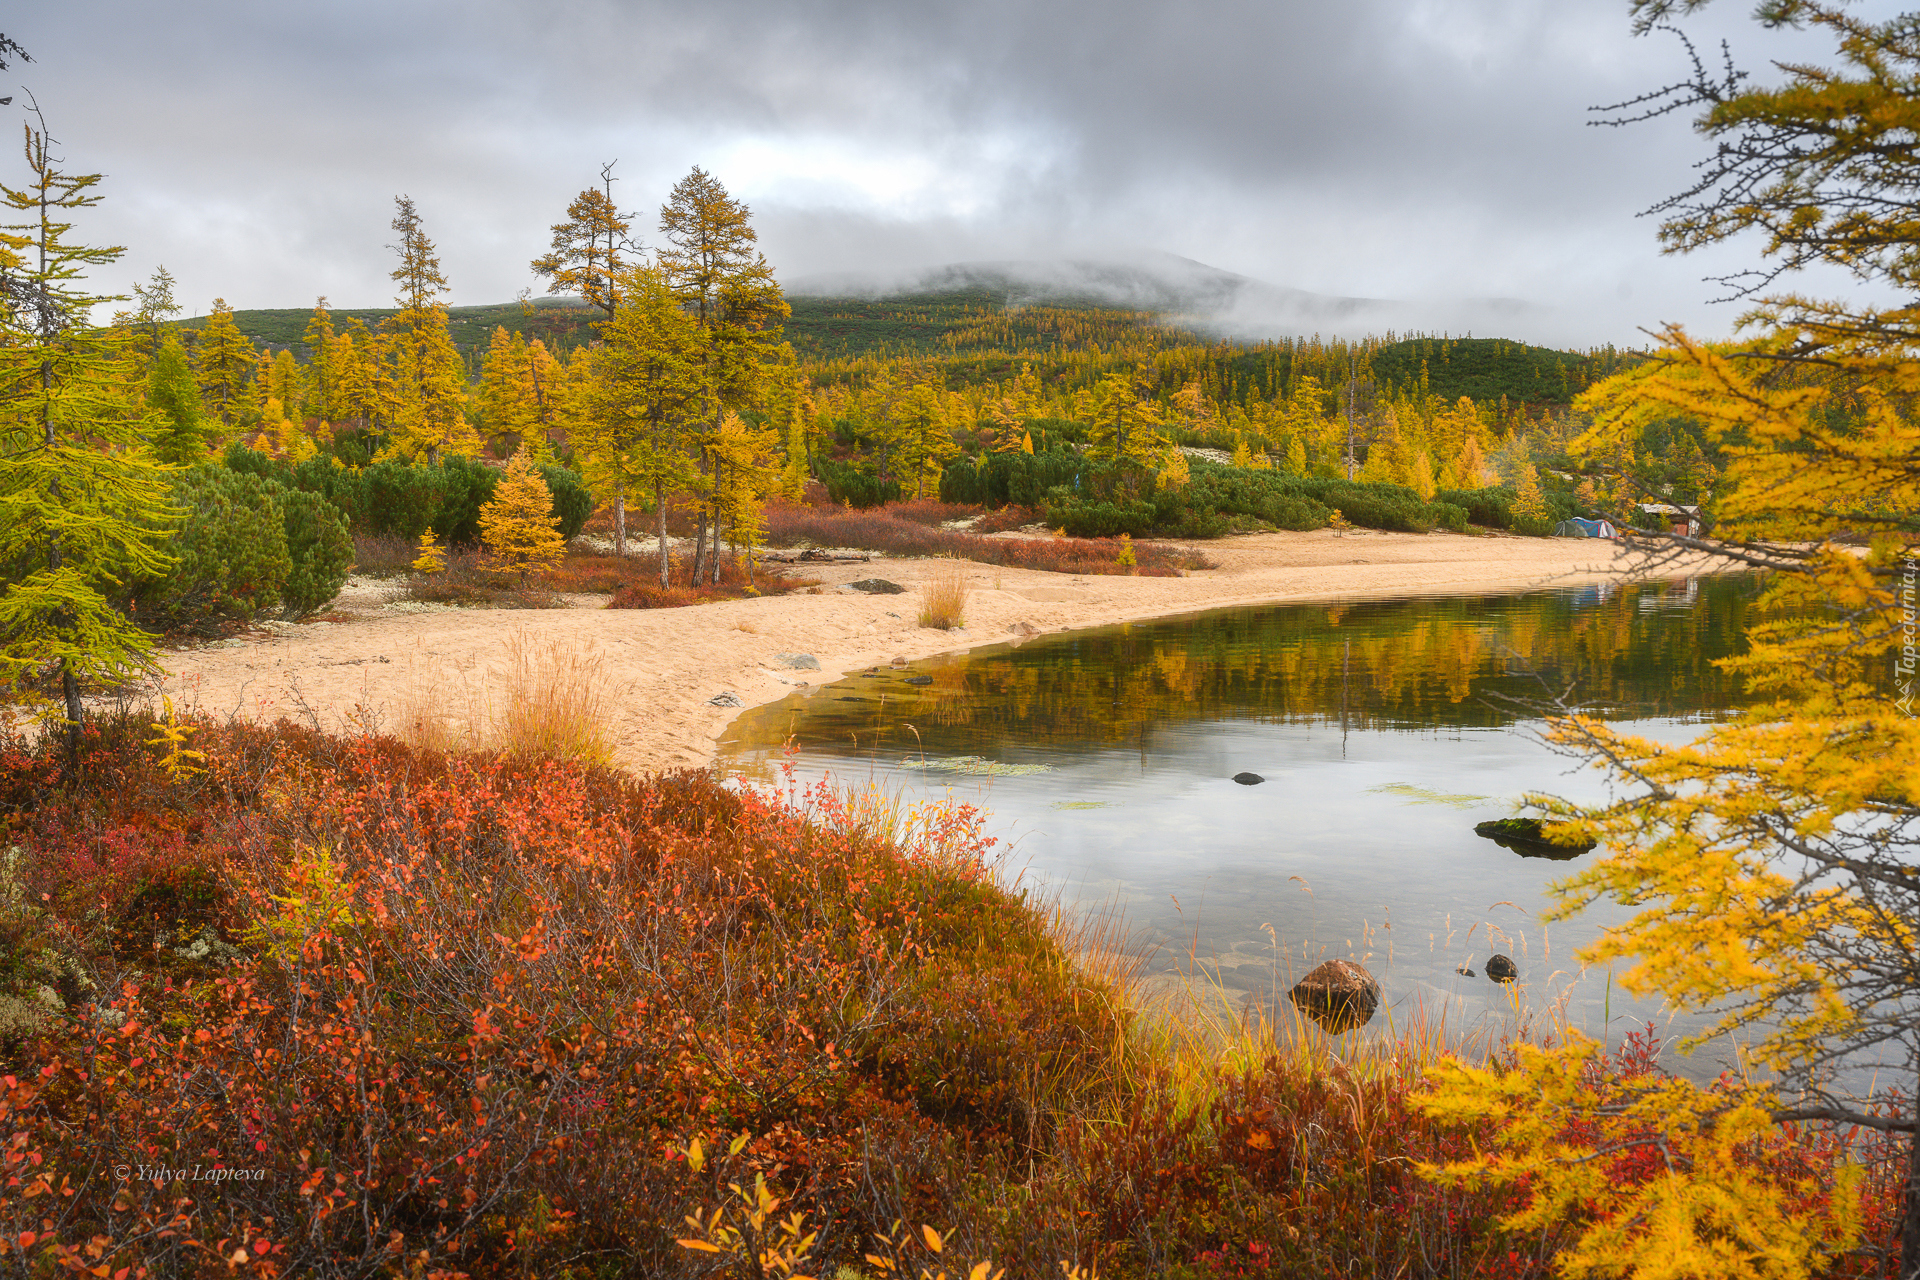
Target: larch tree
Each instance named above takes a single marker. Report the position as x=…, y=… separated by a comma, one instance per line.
x=223, y=362
x=1123, y=425
x=157, y=305
x=1772, y=863
x=428, y=377
x=83, y=503
x=647, y=395
x=518, y=526
x=726, y=285
x=591, y=248
x=322, y=390
x=588, y=254
x=184, y=434
x=506, y=405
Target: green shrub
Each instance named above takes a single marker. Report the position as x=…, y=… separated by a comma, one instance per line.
x=1491, y=508
x=254, y=463
x=397, y=499
x=1102, y=519
x=571, y=501
x=231, y=559
x=854, y=488
x=466, y=485
x=320, y=548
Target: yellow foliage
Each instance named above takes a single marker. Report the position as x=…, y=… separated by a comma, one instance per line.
x=177, y=759
x=1708, y=1210
x=519, y=526
x=431, y=559
x=317, y=906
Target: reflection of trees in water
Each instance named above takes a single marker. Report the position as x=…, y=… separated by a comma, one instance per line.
x=1371, y=665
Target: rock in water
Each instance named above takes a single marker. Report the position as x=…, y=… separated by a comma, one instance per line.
x=878, y=587
x=918, y=680
x=1339, y=995
x=1528, y=838
x=1248, y=779
x=1501, y=969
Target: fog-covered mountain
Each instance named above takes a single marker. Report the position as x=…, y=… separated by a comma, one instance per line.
x=1189, y=293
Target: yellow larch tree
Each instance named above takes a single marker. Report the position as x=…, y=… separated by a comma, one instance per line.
x=591, y=248
x=428, y=378
x=645, y=398
x=725, y=283
x=1772, y=864
x=223, y=364
x=518, y=526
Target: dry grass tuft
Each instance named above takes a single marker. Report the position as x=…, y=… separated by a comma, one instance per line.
x=943, y=601
x=549, y=704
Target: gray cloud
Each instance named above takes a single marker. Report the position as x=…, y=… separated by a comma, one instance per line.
x=1431, y=151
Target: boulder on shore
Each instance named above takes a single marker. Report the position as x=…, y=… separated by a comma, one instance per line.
x=1339, y=995
x=877, y=587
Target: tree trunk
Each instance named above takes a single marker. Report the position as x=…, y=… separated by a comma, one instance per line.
x=70, y=692
x=620, y=524
x=699, y=546
x=1910, y=1208
x=660, y=527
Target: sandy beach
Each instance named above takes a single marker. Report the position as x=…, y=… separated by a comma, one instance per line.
x=663, y=668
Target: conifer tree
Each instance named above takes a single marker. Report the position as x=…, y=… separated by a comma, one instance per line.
x=322, y=390
x=725, y=283
x=1771, y=864
x=157, y=306
x=224, y=360
x=186, y=434
x=506, y=390
x=428, y=390
x=518, y=526
x=591, y=248
x=648, y=393
x=83, y=503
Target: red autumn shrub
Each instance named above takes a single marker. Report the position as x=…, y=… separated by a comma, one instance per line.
x=891, y=530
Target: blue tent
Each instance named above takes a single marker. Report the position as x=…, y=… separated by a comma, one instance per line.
x=1578, y=527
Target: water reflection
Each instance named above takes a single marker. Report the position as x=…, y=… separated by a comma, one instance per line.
x=1382, y=732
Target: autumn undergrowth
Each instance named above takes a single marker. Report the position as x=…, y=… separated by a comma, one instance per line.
x=489, y=1012
x=912, y=529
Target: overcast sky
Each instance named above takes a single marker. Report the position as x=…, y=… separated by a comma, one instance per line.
x=1435, y=150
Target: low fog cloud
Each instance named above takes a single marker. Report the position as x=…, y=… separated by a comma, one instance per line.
x=1413, y=164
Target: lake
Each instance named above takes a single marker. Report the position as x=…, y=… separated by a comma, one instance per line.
x=1384, y=730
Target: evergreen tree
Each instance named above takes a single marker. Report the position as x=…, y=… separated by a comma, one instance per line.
x=83, y=503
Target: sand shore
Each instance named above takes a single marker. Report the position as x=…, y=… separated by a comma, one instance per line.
x=663, y=666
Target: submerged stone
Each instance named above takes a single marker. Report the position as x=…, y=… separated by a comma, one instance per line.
x=1339, y=995
x=1527, y=837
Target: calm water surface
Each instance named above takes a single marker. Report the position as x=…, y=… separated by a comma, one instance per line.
x=1108, y=758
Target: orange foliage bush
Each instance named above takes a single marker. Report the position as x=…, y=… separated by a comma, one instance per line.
x=340, y=1008
x=476, y=1008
